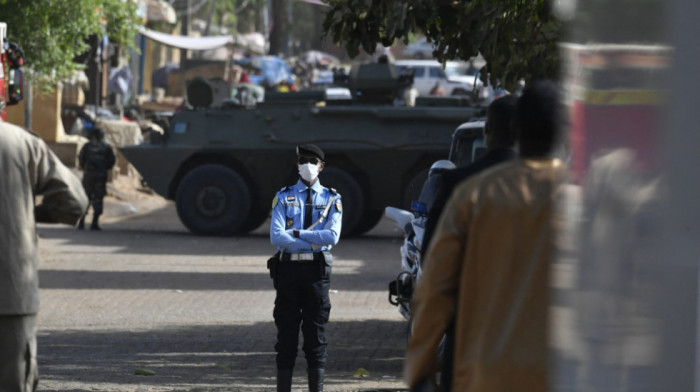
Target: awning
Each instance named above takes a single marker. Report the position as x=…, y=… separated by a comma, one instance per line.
x=189, y=43
x=253, y=42
x=317, y=2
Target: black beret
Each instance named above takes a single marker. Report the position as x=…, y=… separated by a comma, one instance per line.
x=310, y=149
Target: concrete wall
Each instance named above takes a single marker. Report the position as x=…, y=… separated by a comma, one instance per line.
x=46, y=115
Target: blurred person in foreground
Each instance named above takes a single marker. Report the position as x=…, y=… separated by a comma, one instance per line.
x=28, y=168
x=499, y=136
x=489, y=261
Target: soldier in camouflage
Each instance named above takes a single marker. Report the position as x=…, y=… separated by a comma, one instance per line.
x=96, y=159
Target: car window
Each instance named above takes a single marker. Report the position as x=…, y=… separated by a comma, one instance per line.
x=436, y=73
x=465, y=149
x=455, y=71
x=420, y=72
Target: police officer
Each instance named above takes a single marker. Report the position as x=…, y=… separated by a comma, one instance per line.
x=96, y=159
x=306, y=222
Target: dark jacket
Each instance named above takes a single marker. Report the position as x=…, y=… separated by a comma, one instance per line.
x=451, y=178
x=96, y=158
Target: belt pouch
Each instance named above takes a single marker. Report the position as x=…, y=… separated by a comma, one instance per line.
x=272, y=264
x=325, y=264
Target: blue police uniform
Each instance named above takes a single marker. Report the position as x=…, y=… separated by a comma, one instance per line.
x=288, y=209
x=303, y=271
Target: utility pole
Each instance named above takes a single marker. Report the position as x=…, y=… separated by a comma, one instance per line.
x=280, y=28
x=28, y=101
x=184, y=31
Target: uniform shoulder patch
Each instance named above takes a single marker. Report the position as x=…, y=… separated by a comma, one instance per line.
x=274, y=202
x=338, y=205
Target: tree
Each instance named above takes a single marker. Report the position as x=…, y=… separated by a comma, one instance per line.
x=517, y=38
x=280, y=27
x=53, y=32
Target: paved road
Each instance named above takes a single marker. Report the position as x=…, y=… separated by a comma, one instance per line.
x=145, y=294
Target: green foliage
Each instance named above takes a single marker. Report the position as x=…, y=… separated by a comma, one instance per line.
x=53, y=32
x=517, y=38
x=122, y=21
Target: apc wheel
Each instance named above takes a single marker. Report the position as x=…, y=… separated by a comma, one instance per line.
x=352, y=197
x=255, y=219
x=213, y=200
x=369, y=219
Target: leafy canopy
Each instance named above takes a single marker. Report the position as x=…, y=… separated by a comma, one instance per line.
x=517, y=38
x=53, y=32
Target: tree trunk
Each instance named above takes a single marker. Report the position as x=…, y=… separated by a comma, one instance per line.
x=280, y=30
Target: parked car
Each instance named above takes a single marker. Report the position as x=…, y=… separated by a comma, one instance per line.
x=421, y=49
x=453, y=80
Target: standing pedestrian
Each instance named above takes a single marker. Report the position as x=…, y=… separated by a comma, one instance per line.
x=499, y=136
x=488, y=265
x=306, y=223
x=96, y=158
x=28, y=168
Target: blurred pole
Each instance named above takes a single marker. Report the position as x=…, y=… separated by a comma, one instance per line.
x=210, y=16
x=288, y=30
x=28, y=101
x=279, y=33
x=317, y=43
x=266, y=22
x=185, y=31
x=682, y=142
x=142, y=61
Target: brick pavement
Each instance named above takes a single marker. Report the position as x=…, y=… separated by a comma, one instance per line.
x=197, y=311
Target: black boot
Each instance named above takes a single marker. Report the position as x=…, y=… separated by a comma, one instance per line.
x=315, y=380
x=81, y=224
x=284, y=380
x=95, y=224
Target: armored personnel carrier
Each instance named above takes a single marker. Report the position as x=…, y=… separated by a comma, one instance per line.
x=222, y=166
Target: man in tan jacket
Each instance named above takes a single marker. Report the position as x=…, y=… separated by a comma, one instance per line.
x=488, y=265
x=27, y=168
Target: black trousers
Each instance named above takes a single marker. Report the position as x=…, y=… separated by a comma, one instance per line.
x=302, y=300
x=96, y=189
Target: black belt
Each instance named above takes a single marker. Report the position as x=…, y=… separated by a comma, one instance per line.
x=301, y=257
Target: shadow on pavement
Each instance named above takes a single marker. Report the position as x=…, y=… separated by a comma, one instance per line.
x=360, y=263
x=187, y=281
x=214, y=358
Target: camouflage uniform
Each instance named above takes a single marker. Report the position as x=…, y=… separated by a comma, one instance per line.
x=96, y=159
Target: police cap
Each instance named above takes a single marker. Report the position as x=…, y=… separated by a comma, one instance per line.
x=311, y=150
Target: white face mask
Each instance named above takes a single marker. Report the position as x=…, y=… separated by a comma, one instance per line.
x=308, y=172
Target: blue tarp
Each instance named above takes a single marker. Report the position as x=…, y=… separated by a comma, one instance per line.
x=273, y=70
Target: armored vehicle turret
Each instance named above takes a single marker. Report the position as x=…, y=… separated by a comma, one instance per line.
x=222, y=166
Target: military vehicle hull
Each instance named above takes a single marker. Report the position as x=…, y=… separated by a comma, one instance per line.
x=223, y=167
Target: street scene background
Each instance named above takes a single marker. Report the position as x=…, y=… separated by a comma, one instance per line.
x=145, y=294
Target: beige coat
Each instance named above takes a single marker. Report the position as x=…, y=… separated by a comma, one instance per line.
x=29, y=168
x=490, y=262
